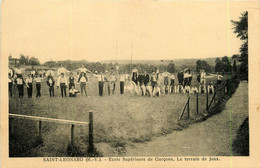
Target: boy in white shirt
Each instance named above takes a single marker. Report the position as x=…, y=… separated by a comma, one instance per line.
x=83, y=69
x=28, y=83
x=83, y=80
x=18, y=71
x=101, y=79
x=122, y=80
x=203, y=77
x=38, y=81
x=20, y=83
x=62, y=83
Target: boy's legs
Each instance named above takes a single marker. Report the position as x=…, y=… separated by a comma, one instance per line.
x=61, y=90
x=100, y=88
x=84, y=88
x=108, y=88
x=39, y=90
x=81, y=88
x=30, y=85
x=28, y=91
x=64, y=89
x=114, y=87
x=122, y=87
x=52, y=89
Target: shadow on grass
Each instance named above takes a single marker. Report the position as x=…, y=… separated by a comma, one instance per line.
x=241, y=144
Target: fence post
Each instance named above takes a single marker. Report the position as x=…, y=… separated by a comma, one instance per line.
x=197, y=103
x=40, y=129
x=207, y=98
x=188, y=107
x=72, y=136
x=91, y=144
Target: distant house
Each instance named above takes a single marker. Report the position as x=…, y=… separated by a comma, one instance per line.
x=14, y=61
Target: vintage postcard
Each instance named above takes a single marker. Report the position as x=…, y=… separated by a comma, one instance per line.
x=130, y=83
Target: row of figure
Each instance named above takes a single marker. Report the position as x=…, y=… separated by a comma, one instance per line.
x=165, y=81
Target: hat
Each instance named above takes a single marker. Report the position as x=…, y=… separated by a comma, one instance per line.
x=62, y=73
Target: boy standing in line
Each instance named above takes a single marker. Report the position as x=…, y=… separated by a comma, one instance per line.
x=50, y=82
x=62, y=83
x=153, y=80
x=20, y=83
x=38, y=81
x=100, y=78
x=29, y=86
x=83, y=80
x=172, y=78
x=122, y=82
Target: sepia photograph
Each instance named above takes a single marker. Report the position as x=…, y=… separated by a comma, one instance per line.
x=126, y=80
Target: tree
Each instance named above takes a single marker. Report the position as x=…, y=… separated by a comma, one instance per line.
x=219, y=65
x=201, y=64
x=241, y=29
x=34, y=61
x=22, y=59
x=27, y=60
x=235, y=67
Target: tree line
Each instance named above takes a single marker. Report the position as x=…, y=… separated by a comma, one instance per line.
x=26, y=60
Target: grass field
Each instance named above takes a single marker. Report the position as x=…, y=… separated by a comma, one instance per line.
x=118, y=119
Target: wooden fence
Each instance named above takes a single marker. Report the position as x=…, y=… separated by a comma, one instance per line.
x=43, y=119
x=218, y=94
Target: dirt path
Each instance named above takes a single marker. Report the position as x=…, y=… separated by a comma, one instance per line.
x=211, y=137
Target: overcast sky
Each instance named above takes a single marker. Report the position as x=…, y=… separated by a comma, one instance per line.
x=77, y=29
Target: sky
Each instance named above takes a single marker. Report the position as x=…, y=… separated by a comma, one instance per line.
x=102, y=30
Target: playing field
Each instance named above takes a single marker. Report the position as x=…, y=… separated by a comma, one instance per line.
x=118, y=119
